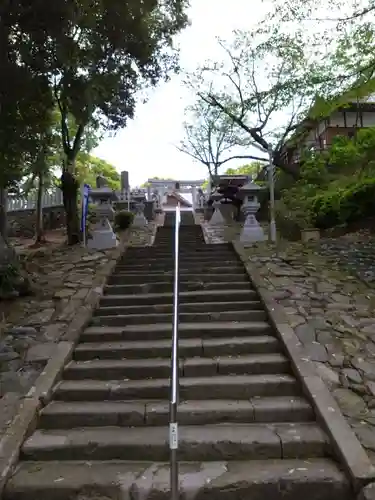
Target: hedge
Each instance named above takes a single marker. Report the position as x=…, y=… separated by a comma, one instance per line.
x=343, y=205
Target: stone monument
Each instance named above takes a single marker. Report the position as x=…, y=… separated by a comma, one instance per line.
x=251, y=231
x=140, y=219
x=102, y=234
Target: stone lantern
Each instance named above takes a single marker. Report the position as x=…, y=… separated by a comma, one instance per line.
x=140, y=219
x=217, y=218
x=251, y=231
x=102, y=234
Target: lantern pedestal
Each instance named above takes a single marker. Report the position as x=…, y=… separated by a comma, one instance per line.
x=251, y=231
x=102, y=234
x=217, y=218
x=140, y=219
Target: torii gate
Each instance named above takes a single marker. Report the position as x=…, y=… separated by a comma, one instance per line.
x=180, y=186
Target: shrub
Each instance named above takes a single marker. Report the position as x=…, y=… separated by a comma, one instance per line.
x=337, y=206
x=123, y=219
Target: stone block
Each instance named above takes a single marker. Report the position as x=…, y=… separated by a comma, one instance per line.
x=41, y=353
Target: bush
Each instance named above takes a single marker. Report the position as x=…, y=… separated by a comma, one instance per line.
x=123, y=219
x=341, y=206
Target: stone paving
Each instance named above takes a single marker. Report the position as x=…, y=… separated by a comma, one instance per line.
x=354, y=252
x=30, y=327
x=333, y=315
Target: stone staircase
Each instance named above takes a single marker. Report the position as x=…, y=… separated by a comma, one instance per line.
x=246, y=431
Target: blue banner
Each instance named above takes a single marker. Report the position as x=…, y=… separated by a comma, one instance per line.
x=85, y=206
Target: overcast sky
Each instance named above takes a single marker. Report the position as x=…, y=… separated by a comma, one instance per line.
x=146, y=147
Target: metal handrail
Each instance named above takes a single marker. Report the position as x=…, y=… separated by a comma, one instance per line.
x=173, y=421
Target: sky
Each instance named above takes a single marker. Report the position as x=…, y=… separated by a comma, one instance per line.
x=146, y=147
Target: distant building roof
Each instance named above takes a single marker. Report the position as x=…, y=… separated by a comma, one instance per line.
x=178, y=197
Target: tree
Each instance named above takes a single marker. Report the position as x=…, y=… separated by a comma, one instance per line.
x=25, y=100
x=265, y=85
x=342, y=42
x=88, y=167
x=252, y=168
x=209, y=134
x=97, y=56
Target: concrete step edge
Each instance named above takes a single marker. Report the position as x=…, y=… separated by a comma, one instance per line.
x=212, y=387
x=161, y=343
x=188, y=294
x=197, y=315
x=197, y=442
x=227, y=306
x=69, y=415
x=118, y=349
x=311, y=480
x=248, y=359
x=186, y=326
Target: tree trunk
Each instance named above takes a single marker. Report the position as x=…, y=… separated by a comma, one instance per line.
x=4, y=213
x=69, y=186
x=39, y=233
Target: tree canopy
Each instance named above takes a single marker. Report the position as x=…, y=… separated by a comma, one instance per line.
x=210, y=137
x=90, y=60
x=89, y=167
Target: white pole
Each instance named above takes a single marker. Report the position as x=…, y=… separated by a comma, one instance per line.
x=272, y=196
x=82, y=209
x=128, y=196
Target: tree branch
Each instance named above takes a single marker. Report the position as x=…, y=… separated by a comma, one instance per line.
x=244, y=157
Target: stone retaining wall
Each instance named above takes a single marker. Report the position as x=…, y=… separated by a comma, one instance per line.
x=21, y=223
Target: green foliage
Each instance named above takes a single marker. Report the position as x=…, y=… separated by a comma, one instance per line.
x=345, y=205
x=89, y=60
x=123, y=219
x=88, y=167
x=336, y=187
x=252, y=168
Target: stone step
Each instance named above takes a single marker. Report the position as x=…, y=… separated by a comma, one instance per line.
x=183, y=258
x=137, y=278
x=168, y=255
x=144, y=319
x=167, y=287
x=289, y=479
x=184, y=297
x=66, y=415
x=186, y=330
x=196, y=265
x=196, y=442
x=133, y=369
x=188, y=241
x=156, y=250
x=203, y=388
x=97, y=348
x=194, y=307
x=213, y=268
x=184, y=236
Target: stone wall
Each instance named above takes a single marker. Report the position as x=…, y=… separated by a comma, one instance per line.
x=21, y=223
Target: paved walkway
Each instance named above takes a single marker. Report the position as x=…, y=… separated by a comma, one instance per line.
x=354, y=252
x=331, y=311
x=30, y=327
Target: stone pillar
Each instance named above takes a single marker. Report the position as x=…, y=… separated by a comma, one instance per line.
x=149, y=210
x=139, y=219
x=194, y=196
x=124, y=176
x=251, y=231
